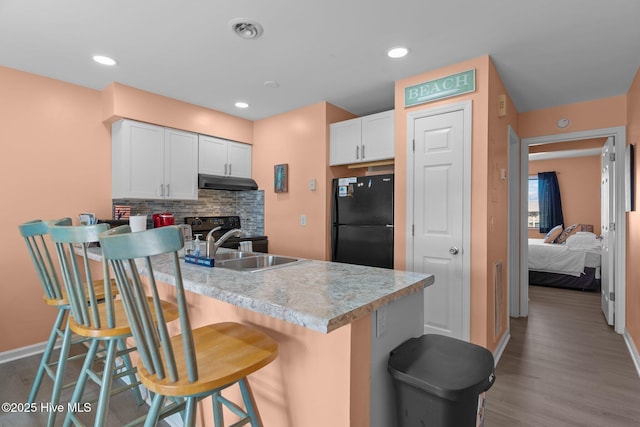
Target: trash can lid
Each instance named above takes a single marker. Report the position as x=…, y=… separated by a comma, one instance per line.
x=444, y=366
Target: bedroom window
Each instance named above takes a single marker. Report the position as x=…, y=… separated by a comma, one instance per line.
x=533, y=219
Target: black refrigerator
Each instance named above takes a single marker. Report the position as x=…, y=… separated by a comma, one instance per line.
x=362, y=221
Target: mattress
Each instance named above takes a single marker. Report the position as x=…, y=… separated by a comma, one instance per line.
x=563, y=258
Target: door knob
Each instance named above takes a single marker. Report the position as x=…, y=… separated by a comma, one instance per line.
x=453, y=250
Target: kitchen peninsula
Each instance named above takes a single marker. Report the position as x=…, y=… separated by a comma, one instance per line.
x=335, y=325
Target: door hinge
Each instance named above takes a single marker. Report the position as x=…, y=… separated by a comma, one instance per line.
x=612, y=226
x=612, y=157
x=612, y=296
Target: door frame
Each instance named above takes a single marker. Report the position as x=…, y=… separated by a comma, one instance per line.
x=465, y=107
x=516, y=304
x=620, y=140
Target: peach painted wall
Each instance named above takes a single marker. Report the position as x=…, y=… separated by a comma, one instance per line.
x=489, y=197
x=299, y=138
x=120, y=101
x=55, y=163
x=579, y=181
x=600, y=113
x=633, y=219
x=497, y=321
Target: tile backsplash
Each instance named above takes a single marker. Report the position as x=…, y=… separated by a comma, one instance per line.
x=248, y=205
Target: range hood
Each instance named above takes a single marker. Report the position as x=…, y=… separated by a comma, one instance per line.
x=216, y=182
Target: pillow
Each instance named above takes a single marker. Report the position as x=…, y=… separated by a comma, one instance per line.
x=566, y=233
x=553, y=234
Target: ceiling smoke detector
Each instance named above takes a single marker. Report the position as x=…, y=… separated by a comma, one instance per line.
x=246, y=28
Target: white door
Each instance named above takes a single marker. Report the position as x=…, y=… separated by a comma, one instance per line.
x=607, y=195
x=438, y=216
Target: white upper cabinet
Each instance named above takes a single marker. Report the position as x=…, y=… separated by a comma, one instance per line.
x=153, y=162
x=224, y=158
x=364, y=139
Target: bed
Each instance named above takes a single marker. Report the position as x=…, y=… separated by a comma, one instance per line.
x=574, y=264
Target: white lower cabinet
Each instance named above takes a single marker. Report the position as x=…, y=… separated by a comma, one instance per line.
x=153, y=162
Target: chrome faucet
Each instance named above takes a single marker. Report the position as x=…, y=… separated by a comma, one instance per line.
x=213, y=244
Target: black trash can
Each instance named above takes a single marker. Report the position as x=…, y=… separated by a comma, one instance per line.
x=440, y=381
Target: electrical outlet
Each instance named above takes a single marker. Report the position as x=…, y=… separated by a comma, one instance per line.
x=303, y=219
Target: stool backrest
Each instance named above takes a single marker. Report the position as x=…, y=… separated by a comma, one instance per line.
x=34, y=233
x=76, y=274
x=121, y=249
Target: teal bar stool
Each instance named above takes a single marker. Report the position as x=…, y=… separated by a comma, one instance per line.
x=34, y=233
x=197, y=363
x=100, y=323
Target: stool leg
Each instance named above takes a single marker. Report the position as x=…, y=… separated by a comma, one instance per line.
x=190, y=412
x=105, y=383
x=60, y=371
x=129, y=366
x=51, y=342
x=249, y=402
x=154, y=411
x=218, y=418
x=82, y=381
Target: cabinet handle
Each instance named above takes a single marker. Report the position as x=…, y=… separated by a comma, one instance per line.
x=168, y=192
x=362, y=151
x=358, y=153
x=161, y=190
x=230, y=168
x=225, y=169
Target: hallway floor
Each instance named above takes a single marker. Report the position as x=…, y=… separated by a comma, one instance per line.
x=564, y=366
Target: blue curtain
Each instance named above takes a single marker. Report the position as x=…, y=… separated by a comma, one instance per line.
x=549, y=201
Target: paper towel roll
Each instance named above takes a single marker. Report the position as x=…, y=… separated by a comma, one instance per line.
x=138, y=223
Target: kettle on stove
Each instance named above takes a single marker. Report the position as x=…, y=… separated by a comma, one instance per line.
x=163, y=219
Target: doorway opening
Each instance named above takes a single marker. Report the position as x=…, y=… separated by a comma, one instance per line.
x=519, y=306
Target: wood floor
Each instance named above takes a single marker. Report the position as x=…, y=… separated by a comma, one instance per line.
x=16, y=378
x=564, y=366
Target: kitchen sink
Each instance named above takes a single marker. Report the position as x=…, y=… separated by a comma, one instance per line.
x=223, y=256
x=256, y=262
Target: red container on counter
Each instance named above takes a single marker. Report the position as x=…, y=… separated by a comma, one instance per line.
x=163, y=219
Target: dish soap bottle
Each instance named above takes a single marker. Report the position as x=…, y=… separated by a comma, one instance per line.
x=196, y=245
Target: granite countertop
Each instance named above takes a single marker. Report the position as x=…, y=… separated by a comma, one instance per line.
x=318, y=295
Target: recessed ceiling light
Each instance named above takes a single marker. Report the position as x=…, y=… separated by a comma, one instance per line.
x=397, y=52
x=104, y=60
x=246, y=28
x=241, y=104
x=272, y=84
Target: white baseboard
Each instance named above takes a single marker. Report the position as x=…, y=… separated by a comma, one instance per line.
x=502, y=345
x=22, y=352
x=633, y=350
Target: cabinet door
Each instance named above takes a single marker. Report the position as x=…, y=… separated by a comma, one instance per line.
x=378, y=136
x=345, y=142
x=180, y=165
x=137, y=160
x=212, y=159
x=239, y=158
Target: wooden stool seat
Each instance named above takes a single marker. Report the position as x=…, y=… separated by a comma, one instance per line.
x=121, y=326
x=225, y=353
x=98, y=285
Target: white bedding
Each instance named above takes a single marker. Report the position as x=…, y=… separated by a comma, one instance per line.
x=563, y=258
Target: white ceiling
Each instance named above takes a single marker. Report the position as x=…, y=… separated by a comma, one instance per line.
x=548, y=52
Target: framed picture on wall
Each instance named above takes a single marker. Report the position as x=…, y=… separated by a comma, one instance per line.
x=280, y=178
